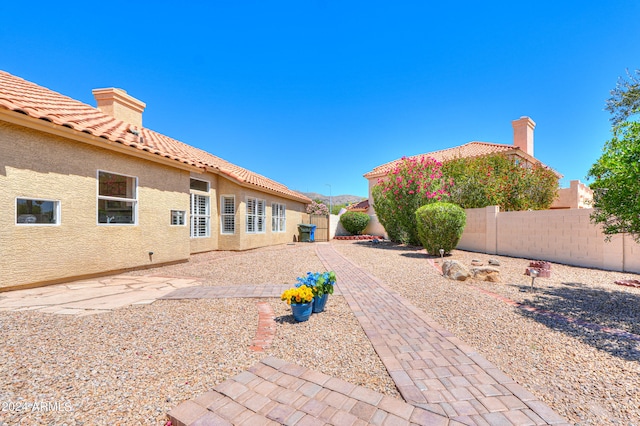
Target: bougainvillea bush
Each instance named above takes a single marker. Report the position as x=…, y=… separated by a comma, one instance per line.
x=354, y=222
x=440, y=226
x=414, y=182
x=317, y=208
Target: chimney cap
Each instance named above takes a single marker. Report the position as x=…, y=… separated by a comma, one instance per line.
x=111, y=94
x=524, y=120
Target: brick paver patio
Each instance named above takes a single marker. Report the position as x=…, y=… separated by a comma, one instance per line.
x=442, y=380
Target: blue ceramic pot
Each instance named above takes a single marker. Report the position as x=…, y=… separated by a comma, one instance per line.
x=301, y=311
x=319, y=302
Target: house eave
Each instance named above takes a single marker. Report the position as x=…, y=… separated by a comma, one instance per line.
x=44, y=126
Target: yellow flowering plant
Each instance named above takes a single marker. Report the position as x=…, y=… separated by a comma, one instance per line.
x=294, y=295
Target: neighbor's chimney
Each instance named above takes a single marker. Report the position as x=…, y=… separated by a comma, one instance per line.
x=118, y=104
x=523, y=134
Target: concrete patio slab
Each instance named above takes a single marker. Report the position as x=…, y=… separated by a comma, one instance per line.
x=97, y=295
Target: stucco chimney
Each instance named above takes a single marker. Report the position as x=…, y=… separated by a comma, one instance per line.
x=523, y=134
x=118, y=104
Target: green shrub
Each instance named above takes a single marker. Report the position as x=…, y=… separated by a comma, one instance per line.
x=354, y=222
x=440, y=226
x=498, y=180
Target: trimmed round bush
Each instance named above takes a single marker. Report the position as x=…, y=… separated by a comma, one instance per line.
x=440, y=226
x=354, y=222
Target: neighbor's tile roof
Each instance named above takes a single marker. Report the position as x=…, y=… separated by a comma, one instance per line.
x=468, y=150
x=359, y=207
x=17, y=94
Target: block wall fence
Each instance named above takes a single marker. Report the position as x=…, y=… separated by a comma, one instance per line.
x=562, y=236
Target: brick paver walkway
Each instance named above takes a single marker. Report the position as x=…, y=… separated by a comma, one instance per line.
x=275, y=392
x=443, y=380
x=431, y=367
x=230, y=291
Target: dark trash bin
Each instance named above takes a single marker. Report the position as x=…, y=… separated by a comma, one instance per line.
x=306, y=232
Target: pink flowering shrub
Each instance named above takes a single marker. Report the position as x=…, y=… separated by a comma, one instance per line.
x=317, y=208
x=413, y=183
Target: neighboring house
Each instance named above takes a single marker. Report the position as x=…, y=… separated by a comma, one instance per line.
x=522, y=149
x=577, y=196
x=88, y=190
x=362, y=206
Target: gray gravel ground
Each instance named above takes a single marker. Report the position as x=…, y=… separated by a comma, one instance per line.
x=590, y=377
x=132, y=365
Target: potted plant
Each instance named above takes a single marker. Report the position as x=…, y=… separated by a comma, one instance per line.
x=301, y=301
x=321, y=285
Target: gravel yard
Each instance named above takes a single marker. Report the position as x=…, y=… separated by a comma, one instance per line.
x=132, y=365
x=588, y=376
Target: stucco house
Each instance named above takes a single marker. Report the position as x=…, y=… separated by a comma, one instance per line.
x=87, y=190
x=522, y=148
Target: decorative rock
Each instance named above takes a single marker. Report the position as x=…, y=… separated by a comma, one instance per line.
x=476, y=262
x=543, y=268
x=486, y=273
x=455, y=270
x=494, y=262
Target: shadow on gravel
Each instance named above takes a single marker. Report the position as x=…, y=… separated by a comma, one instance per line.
x=589, y=314
x=285, y=319
x=409, y=251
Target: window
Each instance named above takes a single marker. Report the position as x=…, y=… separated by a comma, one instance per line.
x=200, y=209
x=228, y=214
x=278, y=217
x=117, y=198
x=255, y=215
x=31, y=211
x=199, y=215
x=199, y=185
x=177, y=217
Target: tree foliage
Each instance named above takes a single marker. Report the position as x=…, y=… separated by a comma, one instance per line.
x=440, y=226
x=413, y=183
x=616, y=198
x=625, y=98
x=354, y=222
x=499, y=180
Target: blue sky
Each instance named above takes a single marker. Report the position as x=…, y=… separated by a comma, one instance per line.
x=316, y=93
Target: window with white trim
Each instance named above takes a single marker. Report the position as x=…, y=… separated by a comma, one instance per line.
x=33, y=211
x=117, y=199
x=278, y=217
x=228, y=214
x=200, y=209
x=256, y=215
x=177, y=217
x=200, y=216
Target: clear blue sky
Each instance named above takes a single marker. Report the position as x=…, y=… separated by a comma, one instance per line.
x=319, y=92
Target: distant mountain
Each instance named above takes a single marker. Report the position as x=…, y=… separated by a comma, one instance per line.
x=335, y=199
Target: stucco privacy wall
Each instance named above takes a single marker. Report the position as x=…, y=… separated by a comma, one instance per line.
x=38, y=165
x=240, y=239
x=563, y=236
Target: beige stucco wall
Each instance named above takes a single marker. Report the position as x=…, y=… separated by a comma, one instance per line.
x=577, y=196
x=37, y=165
x=241, y=240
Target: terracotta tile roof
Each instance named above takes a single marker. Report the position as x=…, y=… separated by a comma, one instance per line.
x=468, y=150
x=361, y=206
x=17, y=94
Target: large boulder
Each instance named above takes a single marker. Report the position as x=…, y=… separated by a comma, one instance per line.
x=486, y=273
x=455, y=270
